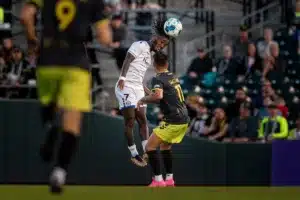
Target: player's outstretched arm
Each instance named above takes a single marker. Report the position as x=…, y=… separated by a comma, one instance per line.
x=128, y=59
x=27, y=18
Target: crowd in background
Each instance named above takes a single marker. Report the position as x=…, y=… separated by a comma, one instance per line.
x=17, y=71
x=254, y=114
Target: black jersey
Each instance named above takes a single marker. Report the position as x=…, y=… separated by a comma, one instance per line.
x=172, y=105
x=65, y=24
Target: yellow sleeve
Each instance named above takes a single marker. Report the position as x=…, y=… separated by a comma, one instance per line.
x=261, y=128
x=292, y=134
x=284, y=129
x=38, y=3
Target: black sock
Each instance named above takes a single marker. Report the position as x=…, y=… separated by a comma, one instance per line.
x=154, y=162
x=167, y=158
x=67, y=149
x=51, y=137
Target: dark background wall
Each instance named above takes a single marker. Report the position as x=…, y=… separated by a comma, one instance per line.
x=103, y=157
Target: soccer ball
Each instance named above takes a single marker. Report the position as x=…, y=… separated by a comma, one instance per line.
x=173, y=27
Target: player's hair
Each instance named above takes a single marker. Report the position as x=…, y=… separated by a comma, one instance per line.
x=160, y=59
x=158, y=27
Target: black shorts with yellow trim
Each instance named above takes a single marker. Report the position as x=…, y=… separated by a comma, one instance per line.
x=66, y=86
x=171, y=133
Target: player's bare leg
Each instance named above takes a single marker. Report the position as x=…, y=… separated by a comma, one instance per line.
x=71, y=124
x=166, y=152
x=153, y=143
x=129, y=119
x=50, y=123
x=143, y=126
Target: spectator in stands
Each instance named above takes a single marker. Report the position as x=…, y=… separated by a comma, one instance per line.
x=244, y=127
x=295, y=133
x=274, y=62
x=219, y=125
x=267, y=91
x=263, y=111
x=274, y=126
x=17, y=68
x=282, y=108
x=200, y=124
x=233, y=108
x=7, y=45
x=94, y=63
x=252, y=63
x=263, y=47
x=3, y=69
x=120, y=34
x=200, y=65
x=240, y=46
x=130, y=4
x=228, y=66
x=192, y=103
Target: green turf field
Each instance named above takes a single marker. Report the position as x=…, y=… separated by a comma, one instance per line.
x=143, y=193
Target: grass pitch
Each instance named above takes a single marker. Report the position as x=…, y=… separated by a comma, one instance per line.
x=23, y=192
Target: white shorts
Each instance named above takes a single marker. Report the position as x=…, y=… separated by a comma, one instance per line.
x=129, y=97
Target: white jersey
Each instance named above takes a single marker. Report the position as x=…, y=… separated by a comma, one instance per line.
x=138, y=67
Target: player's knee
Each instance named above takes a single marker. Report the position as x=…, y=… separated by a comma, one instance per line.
x=72, y=122
x=165, y=146
x=142, y=121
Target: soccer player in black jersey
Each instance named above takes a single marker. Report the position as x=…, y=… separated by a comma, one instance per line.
x=167, y=92
x=63, y=78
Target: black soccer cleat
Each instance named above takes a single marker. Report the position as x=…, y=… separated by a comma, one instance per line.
x=46, y=153
x=138, y=161
x=55, y=189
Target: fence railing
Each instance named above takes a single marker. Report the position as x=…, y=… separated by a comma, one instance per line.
x=266, y=16
x=210, y=42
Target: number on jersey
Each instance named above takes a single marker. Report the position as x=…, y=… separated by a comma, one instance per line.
x=179, y=93
x=65, y=11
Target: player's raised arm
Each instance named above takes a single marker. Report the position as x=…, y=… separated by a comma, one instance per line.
x=128, y=59
x=27, y=18
x=102, y=23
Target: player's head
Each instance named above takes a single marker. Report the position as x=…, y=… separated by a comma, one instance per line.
x=159, y=39
x=160, y=61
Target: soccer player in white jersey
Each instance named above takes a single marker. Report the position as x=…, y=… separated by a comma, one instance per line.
x=130, y=89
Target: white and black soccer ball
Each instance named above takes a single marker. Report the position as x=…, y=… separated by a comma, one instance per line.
x=173, y=27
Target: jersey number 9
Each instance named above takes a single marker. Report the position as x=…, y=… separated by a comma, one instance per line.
x=65, y=11
x=179, y=93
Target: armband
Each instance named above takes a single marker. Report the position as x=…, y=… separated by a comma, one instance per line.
x=122, y=78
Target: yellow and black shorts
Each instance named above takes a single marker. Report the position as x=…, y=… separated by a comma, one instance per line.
x=171, y=133
x=68, y=87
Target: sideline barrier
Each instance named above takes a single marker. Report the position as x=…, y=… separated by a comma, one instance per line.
x=103, y=157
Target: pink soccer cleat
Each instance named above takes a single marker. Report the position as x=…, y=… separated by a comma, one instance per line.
x=170, y=183
x=157, y=183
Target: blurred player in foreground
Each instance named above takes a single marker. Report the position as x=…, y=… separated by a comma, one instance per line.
x=63, y=78
x=129, y=88
x=167, y=92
